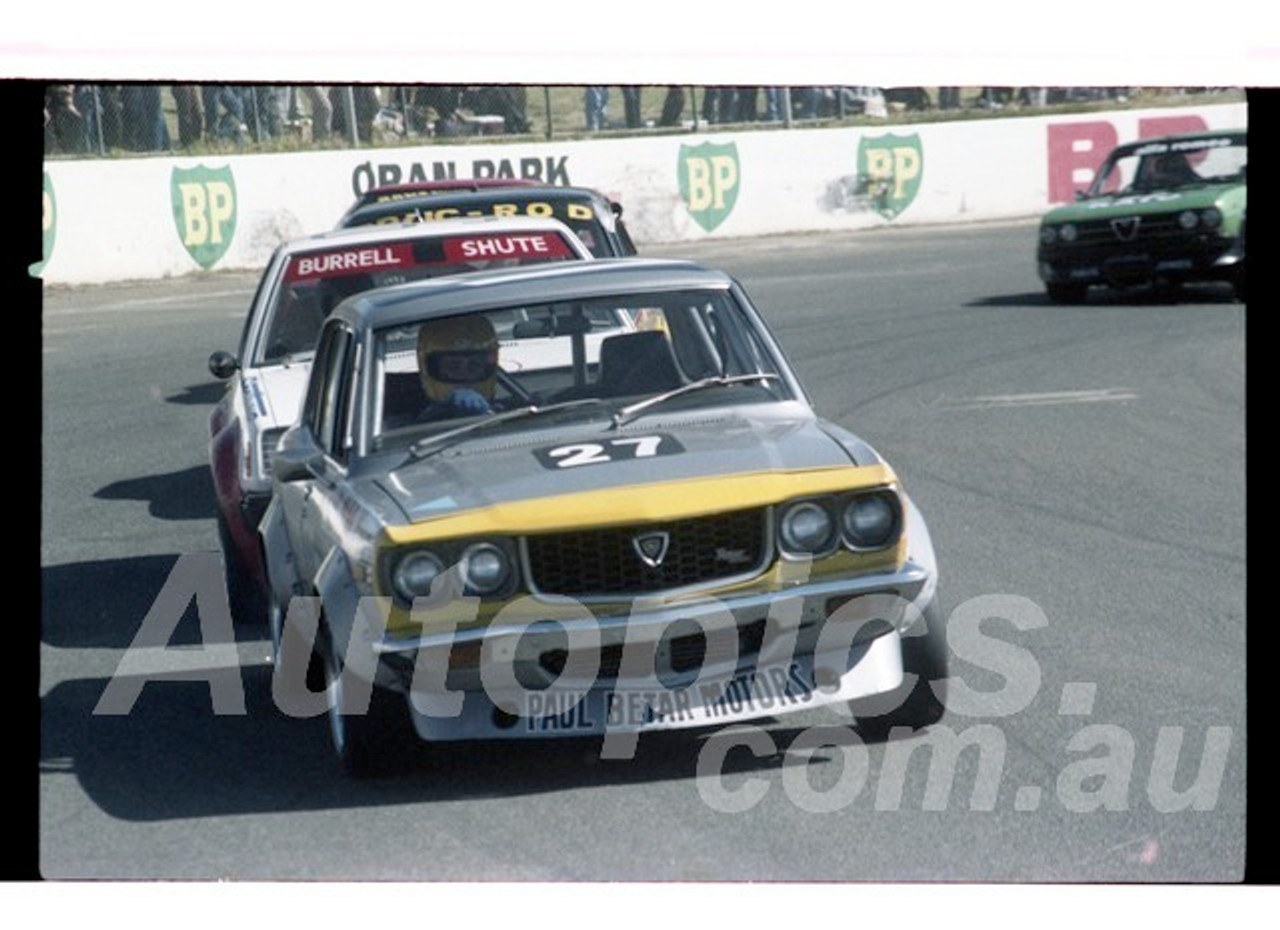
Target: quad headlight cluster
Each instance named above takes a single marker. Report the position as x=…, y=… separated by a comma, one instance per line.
x=864, y=521
x=1066, y=232
x=1208, y=218
x=483, y=569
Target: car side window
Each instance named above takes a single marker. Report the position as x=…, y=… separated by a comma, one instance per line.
x=327, y=408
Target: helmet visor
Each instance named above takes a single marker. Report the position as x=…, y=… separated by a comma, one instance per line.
x=462, y=366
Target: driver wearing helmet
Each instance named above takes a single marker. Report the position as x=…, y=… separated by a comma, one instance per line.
x=458, y=365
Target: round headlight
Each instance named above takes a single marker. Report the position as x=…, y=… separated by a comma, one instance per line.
x=485, y=568
x=1068, y=232
x=1211, y=217
x=869, y=522
x=415, y=574
x=1048, y=234
x=1188, y=219
x=805, y=527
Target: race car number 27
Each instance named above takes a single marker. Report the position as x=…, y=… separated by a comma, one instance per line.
x=577, y=454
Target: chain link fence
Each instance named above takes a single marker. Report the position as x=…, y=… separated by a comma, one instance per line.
x=106, y=120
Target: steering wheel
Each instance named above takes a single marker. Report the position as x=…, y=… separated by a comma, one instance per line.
x=515, y=387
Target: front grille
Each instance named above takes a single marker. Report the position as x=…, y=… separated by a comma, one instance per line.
x=606, y=562
x=1146, y=228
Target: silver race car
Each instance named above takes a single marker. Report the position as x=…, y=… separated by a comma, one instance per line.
x=584, y=499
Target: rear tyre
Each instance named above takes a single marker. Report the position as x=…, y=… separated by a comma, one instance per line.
x=1067, y=293
x=920, y=700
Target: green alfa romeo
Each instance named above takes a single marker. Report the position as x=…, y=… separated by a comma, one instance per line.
x=1159, y=212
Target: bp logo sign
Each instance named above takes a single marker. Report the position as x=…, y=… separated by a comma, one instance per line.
x=889, y=168
x=709, y=182
x=204, y=207
x=48, y=227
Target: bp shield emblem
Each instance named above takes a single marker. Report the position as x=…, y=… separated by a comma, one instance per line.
x=709, y=182
x=891, y=167
x=48, y=227
x=204, y=209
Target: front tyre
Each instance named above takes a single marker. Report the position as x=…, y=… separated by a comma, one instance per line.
x=1067, y=293
x=366, y=742
x=920, y=700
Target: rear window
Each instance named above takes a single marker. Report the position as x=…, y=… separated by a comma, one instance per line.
x=579, y=215
x=313, y=283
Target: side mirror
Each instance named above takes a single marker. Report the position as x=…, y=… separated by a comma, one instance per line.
x=223, y=365
x=297, y=458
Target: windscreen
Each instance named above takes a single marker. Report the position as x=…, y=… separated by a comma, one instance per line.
x=613, y=350
x=1169, y=165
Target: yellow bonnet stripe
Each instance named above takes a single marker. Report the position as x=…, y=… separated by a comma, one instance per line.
x=664, y=500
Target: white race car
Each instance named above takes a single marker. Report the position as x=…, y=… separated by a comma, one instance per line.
x=303, y=282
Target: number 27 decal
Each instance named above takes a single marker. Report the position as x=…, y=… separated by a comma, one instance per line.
x=575, y=455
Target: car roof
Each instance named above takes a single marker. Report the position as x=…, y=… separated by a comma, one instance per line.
x=1137, y=144
x=438, y=229
x=446, y=185
x=461, y=199
x=402, y=304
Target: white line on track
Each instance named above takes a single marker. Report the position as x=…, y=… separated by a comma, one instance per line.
x=1102, y=395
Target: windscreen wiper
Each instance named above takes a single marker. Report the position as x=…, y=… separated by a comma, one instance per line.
x=438, y=441
x=629, y=413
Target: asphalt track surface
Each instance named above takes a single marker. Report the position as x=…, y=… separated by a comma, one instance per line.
x=1082, y=470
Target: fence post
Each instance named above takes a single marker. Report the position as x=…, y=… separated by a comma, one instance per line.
x=97, y=119
x=546, y=100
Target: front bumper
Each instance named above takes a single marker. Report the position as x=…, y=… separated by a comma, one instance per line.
x=663, y=665
x=1120, y=265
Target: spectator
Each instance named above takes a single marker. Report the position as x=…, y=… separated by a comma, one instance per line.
x=64, y=129
x=631, y=106
x=436, y=106
x=508, y=101
x=143, y=116
x=100, y=104
x=672, y=106
x=320, y=109
x=726, y=104
x=595, y=102
x=743, y=107
x=994, y=98
x=186, y=98
x=1033, y=96
x=711, y=104
x=223, y=112
x=773, y=101
x=807, y=102
x=364, y=99
x=272, y=110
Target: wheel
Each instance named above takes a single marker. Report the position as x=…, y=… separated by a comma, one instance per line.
x=248, y=600
x=1067, y=293
x=919, y=701
x=370, y=743
x=1240, y=284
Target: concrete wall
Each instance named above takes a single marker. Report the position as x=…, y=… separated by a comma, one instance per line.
x=141, y=218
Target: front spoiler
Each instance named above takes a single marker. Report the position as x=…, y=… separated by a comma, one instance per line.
x=807, y=656
x=804, y=683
